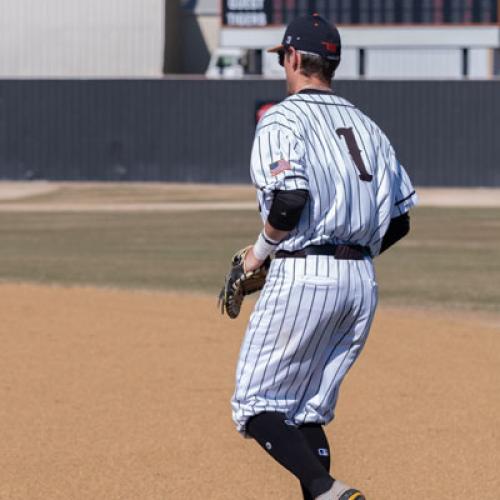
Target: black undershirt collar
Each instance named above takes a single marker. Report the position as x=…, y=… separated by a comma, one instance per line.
x=315, y=91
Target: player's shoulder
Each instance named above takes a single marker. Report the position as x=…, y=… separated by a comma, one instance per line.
x=368, y=122
x=313, y=101
x=279, y=117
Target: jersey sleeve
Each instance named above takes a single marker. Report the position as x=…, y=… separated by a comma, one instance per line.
x=277, y=161
x=405, y=196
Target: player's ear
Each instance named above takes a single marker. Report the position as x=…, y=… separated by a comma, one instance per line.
x=295, y=58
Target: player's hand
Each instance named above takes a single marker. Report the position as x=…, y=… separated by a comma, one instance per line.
x=251, y=262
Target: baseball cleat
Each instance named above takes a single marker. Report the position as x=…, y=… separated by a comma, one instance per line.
x=340, y=491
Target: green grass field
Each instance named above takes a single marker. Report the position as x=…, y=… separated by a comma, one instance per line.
x=451, y=258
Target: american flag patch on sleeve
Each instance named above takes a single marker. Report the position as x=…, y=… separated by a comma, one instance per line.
x=280, y=166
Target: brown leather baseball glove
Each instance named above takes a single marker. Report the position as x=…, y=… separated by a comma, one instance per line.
x=240, y=283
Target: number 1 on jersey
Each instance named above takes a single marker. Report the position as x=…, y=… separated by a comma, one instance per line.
x=355, y=152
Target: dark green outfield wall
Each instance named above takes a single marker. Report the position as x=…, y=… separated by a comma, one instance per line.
x=447, y=133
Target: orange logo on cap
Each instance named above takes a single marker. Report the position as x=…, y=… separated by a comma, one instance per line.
x=331, y=47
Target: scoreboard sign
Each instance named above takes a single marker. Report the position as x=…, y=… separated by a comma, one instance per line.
x=266, y=12
x=247, y=12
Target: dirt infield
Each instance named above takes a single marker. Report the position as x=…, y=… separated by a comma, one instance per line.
x=124, y=395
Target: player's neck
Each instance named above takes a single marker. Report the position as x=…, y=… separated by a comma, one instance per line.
x=310, y=84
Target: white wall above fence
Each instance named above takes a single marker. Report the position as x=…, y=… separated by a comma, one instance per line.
x=376, y=36
x=414, y=64
x=396, y=52
x=420, y=36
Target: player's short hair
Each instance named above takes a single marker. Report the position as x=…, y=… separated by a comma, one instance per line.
x=315, y=65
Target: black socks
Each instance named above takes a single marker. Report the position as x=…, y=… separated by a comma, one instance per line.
x=293, y=449
x=318, y=442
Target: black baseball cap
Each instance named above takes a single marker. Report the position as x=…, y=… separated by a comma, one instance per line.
x=312, y=34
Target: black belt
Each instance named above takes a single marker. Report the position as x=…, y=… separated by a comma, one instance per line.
x=340, y=252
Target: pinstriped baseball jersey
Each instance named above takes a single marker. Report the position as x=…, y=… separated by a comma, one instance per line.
x=313, y=315
x=323, y=143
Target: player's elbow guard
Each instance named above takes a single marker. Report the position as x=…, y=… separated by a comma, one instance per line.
x=287, y=208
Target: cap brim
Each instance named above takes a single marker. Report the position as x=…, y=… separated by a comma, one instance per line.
x=276, y=49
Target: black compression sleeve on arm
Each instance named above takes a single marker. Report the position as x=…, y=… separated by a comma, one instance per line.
x=286, y=208
x=398, y=228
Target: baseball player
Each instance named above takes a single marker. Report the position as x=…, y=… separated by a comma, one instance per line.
x=333, y=196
